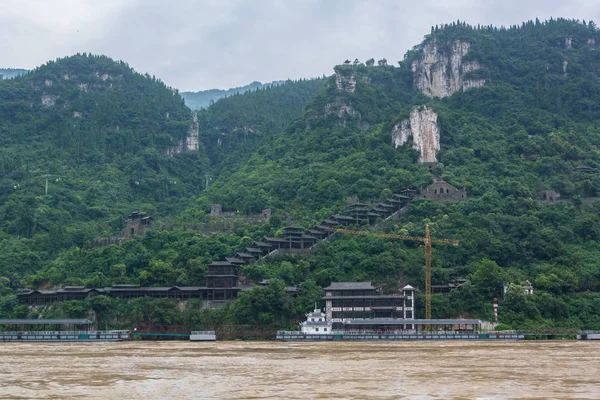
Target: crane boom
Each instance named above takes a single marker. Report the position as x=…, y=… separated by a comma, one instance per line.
x=427, y=240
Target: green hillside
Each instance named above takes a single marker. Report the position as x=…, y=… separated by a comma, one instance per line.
x=86, y=140
x=531, y=126
x=504, y=112
x=235, y=127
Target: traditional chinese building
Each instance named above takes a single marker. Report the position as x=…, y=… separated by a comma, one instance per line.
x=345, y=301
x=442, y=191
x=137, y=223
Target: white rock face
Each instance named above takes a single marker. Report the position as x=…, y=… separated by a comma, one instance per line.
x=178, y=148
x=439, y=74
x=565, y=65
x=568, y=43
x=49, y=100
x=345, y=83
x=424, y=129
x=192, y=141
x=591, y=42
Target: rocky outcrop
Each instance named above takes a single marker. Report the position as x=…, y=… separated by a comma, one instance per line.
x=591, y=42
x=342, y=110
x=191, y=141
x=422, y=126
x=565, y=65
x=345, y=83
x=49, y=100
x=440, y=73
x=568, y=43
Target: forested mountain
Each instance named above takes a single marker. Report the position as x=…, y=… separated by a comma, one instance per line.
x=503, y=112
x=513, y=111
x=8, y=73
x=84, y=141
x=234, y=128
x=205, y=98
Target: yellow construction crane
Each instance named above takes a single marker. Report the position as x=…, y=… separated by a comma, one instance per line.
x=427, y=240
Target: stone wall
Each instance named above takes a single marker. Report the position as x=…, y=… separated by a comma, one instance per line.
x=442, y=191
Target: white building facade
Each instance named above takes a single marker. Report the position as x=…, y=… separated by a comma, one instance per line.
x=316, y=324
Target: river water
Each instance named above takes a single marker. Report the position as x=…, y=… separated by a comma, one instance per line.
x=342, y=370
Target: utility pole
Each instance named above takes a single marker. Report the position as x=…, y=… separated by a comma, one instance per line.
x=47, y=177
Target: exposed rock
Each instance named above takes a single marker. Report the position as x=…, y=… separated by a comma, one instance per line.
x=441, y=74
x=76, y=114
x=568, y=43
x=48, y=82
x=176, y=149
x=565, y=65
x=49, y=100
x=424, y=129
x=103, y=77
x=591, y=42
x=83, y=86
x=342, y=110
x=67, y=77
x=345, y=83
x=192, y=141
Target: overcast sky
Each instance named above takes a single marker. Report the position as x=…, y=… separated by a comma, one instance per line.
x=204, y=44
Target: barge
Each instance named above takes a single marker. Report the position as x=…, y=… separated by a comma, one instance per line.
x=297, y=336
x=65, y=336
x=57, y=330
x=319, y=328
x=589, y=335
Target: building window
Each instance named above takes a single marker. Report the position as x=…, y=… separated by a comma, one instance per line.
x=409, y=314
x=324, y=329
x=408, y=303
x=316, y=329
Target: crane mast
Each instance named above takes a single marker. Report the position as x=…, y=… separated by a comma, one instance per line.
x=427, y=240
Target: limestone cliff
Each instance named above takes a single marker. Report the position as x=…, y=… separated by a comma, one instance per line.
x=345, y=83
x=192, y=135
x=191, y=141
x=440, y=72
x=424, y=129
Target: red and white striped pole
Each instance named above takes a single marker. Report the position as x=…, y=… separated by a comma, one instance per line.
x=496, y=308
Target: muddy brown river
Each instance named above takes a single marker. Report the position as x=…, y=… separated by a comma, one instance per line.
x=257, y=370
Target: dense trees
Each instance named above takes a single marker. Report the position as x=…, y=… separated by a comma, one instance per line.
x=302, y=149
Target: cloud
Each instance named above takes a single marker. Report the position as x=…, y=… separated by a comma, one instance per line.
x=194, y=45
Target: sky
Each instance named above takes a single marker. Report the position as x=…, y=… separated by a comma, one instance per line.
x=196, y=45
